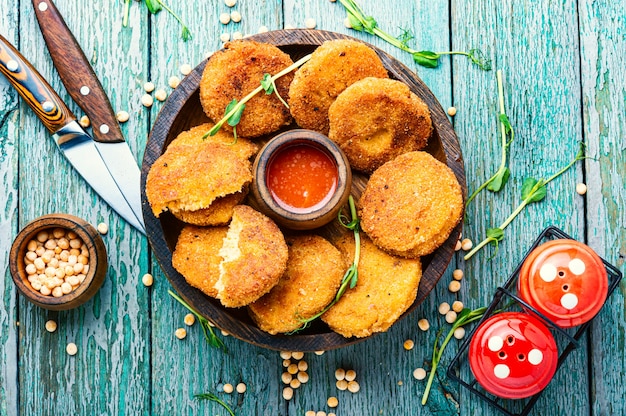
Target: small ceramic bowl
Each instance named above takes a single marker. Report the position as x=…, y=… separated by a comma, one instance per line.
x=301, y=179
x=97, y=261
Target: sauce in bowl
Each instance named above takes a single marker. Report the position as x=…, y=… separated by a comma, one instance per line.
x=301, y=178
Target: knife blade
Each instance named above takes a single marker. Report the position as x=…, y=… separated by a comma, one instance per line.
x=85, y=88
x=77, y=146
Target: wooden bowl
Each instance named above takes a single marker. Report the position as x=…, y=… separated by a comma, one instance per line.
x=182, y=111
x=304, y=219
x=94, y=278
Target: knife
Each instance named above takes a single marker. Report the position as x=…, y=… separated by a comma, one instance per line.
x=83, y=86
x=77, y=146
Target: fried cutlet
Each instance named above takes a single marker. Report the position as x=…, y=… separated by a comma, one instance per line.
x=386, y=287
x=314, y=272
x=411, y=204
x=237, y=70
x=188, y=177
x=196, y=256
x=254, y=258
x=374, y=120
x=198, y=136
x=218, y=213
x=333, y=66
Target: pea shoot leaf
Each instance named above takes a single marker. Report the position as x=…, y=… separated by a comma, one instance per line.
x=495, y=233
x=499, y=180
x=427, y=59
x=236, y=117
x=479, y=59
x=355, y=23
x=405, y=37
x=267, y=84
x=533, y=190
x=370, y=24
x=508, y=129
x=153, y=6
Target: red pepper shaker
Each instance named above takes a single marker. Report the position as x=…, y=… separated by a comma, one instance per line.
x=565, y=280
x=513, y=355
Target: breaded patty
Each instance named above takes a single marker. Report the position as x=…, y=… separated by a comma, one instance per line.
x=188, y=177
x=314, y=272
x=237, y=70
x=411, y=204
x=334, y=66
x=218, y=213
x=375, y=119
x=254, y=258
x=386, y=287
x=198, y=136
x=196, y=256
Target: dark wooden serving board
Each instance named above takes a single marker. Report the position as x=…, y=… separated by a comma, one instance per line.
x=183, y=110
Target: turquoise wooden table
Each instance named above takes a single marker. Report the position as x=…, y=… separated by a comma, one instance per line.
x=563, y=64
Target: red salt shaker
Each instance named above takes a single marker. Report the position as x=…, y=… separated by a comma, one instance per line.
x=565, y=280
x=513, y=355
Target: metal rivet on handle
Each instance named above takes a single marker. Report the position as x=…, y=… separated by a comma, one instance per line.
x=104, y=129
x=47, y=106
x=12, y=65
x=85, y=90
x=43, y=6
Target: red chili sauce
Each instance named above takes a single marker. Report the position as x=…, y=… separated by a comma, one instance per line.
x=301, y=178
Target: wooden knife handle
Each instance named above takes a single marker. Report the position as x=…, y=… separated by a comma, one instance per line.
x=76, y=73
x=37, y=93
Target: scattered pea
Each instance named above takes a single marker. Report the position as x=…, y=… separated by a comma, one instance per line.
x=454, y=286
x=263, y=29
x=332, y=402
x=350, y=375
x=286, y=378
x=237, y=36
x=84, y=122
x=340, y=374
x=408, y=344
x=346, y=23
x=230, y=3
x=241, y=388
x=286, y=363
x=303, y=377
x=225, y=37
x=189, y=319
x=173, y=82
x=147, y=100
x=293, y=368
x=235, y=16
x=423, y=324
x=122, y=116
x=459, y=333
x=303, y=366
x=51, y=326
x=321, y=413
x=287, y=393
x=289, y=26
x=180, y=333
x=419, y=373
x=297, y=355
x=319, y=352
x=285, y=355
x=147, y=279
x=310, y=23
x=353, y=386
x=71, y=348
x=444, y=308
x=228, y=388
x=294, y=383
x=466, y=244
x=451, y=317
x=457, y=306
x=160, y=95
x=224, y=18
x=342, y=384
x=185, y=69
x=458, y=245
x=310, y=413
x=581, y=189
x=451, y=111
x=103, y=228
x=457, y=274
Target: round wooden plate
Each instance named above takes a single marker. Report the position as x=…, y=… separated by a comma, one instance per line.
x=182, y=111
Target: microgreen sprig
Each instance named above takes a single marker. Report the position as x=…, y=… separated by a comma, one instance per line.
x=497, y=181
x=154, y=7
x=359, y=21
x=209, y=333
x=212, y=397
x=533, y=190
x=351, y=276
x=465, y=317
x=234, y=110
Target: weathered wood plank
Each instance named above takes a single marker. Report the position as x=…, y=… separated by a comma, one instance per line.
x=602, y=66
x=111, y=369
x=536, y=45
x=9, y=135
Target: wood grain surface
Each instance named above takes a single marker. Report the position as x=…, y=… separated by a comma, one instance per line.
x=563, y=64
